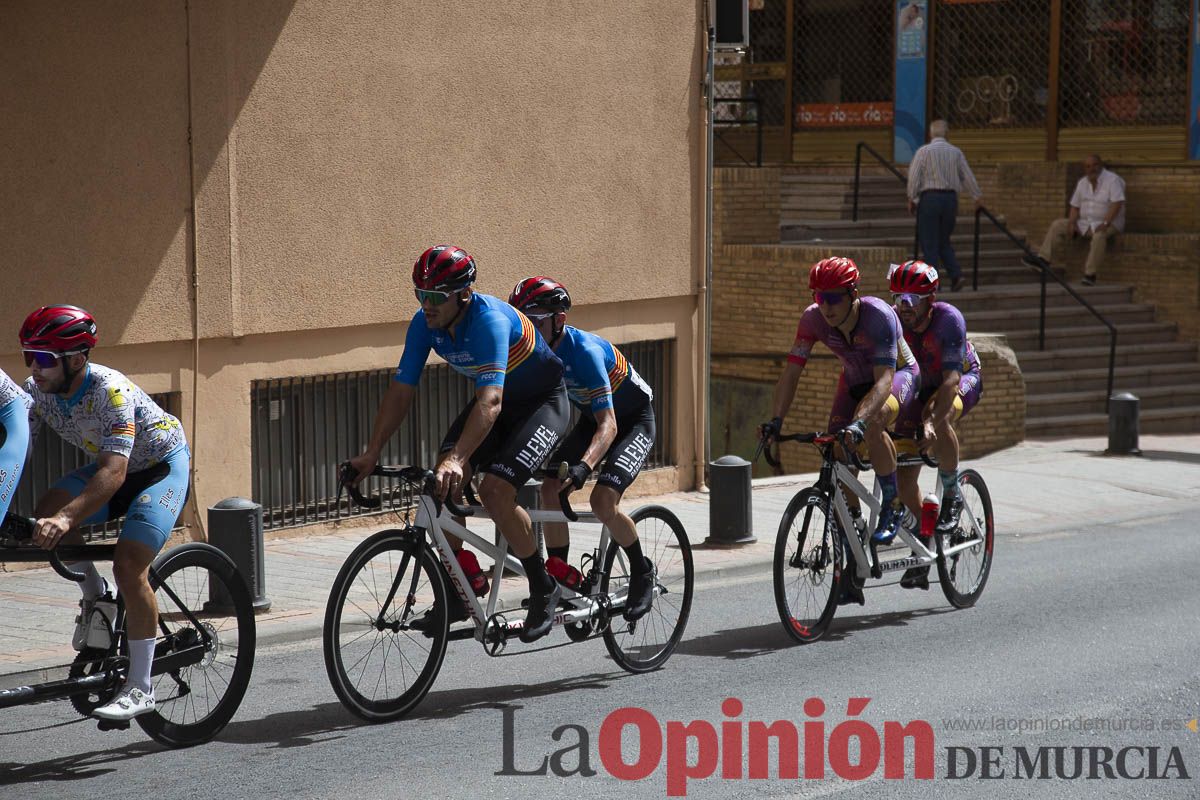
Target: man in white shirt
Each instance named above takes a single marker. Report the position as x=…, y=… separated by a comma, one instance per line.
x=1097, y=213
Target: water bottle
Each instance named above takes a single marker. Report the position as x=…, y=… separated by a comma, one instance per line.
x=564, y=573
x=929, y=515
x=470, y=567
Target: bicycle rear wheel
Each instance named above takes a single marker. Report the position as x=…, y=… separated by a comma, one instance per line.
x=647, y=643
x=964, y=573
x=194, y=702
x=808, y=566
x=379, y=667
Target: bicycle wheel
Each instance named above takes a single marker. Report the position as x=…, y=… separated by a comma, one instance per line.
x=647, y=643
x=194, y=702
x=964, y=573
x=379, y=667
x=808, y=566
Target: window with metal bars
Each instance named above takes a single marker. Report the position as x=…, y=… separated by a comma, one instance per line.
x=303, y=427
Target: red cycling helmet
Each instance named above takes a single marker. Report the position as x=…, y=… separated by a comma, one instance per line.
x=59, y=329
x=831, y=274
x=540, y=293
x=914, y=277
x=444, y=268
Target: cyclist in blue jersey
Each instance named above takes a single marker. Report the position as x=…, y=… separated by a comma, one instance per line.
x=879, y=379
x=951, y=386
x=14, y=438
x=140, y=473
x=616, y=427
x=519, y=412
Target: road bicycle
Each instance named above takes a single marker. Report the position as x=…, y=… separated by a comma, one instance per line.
x=203, y=654
x=811, y=544
x=388, y=619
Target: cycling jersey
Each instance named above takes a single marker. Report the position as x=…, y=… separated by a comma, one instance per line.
x=620, y=466
x=14, y=438
x=9, y=390
x=598, y=376
x=876, y=341
x=108, y=414
x=493, y=344
x=942, y=347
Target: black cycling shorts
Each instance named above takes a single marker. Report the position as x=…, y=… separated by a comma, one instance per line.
x=624, y=459
x=523, y=435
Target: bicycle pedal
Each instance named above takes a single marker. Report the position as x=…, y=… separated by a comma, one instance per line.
x=112, y=724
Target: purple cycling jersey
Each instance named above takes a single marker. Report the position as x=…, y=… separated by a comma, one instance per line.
x=942, y=347
x=875, y=342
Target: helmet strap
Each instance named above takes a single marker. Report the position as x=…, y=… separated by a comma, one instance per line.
x=70, y=374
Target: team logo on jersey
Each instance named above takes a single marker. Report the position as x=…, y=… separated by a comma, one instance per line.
x=115, y=398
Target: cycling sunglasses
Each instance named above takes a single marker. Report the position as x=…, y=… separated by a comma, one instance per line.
x=907, y=299
x=43, y=358
x=830, y=298
x=432, y=296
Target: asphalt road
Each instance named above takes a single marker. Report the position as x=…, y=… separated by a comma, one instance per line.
x=1082, y=639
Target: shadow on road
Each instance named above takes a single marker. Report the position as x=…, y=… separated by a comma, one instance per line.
x=1149, y=455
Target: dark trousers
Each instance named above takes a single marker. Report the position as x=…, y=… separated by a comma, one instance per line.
x=936, y=214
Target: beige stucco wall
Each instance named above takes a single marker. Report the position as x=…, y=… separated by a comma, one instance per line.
x=329, y=148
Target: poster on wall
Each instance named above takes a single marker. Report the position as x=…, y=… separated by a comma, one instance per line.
x=912, y=32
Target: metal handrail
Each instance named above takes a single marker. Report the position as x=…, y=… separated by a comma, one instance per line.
x=758, y=133
x=858, y=148
x=1045, y=270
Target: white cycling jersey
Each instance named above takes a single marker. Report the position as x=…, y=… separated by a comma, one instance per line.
x=108, y=414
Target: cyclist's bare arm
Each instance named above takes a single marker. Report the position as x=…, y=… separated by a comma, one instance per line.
x=392, y=412
x=785, y=390
x=872, y=404
x=606, y=434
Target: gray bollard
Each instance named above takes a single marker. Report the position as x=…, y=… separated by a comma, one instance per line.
x=1123, y=425
x=730, y=512
x=235, y=527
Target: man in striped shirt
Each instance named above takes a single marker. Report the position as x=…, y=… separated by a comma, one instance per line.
x=937, y=175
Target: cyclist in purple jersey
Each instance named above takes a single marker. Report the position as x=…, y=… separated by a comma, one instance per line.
x=879, y=379
x=951, y=386
x=518, y=414
x=616, y=427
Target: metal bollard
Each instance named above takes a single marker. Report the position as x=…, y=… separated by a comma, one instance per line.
x=235, y=527
x=1123, y=425
x=730, y=514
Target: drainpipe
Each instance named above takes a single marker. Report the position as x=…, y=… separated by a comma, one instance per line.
x=197, y=533
x=703, y=435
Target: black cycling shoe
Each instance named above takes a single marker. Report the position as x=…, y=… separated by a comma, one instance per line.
x=424, y=623
x=540, y=618
x=852, y=590
x=640, y=594
x=951, y=511
x=916, y=578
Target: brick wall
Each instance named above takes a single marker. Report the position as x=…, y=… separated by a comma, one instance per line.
x=1164, y=270
x=745, y=205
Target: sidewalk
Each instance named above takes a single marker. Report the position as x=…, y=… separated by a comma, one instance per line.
x=1037, y=488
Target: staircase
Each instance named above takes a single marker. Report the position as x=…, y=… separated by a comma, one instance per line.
x=1065, y=384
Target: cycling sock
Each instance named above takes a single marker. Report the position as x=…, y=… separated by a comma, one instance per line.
x=540, y=581
x=559, y=552
x=888, y=484
x=93, y=585
x=637, y=562
x=949, y=482
x=141, y=658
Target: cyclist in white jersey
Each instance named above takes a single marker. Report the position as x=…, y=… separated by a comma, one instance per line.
x=140, y=472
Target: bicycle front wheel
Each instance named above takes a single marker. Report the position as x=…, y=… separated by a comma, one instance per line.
x=202, y=602
x=808, y=566
x=964, y=572
x=386, y=625
x=647, y=643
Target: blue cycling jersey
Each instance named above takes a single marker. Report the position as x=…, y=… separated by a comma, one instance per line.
x=597, y=374
x=493, y=345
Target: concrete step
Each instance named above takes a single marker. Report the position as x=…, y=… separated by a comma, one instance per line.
x=1025, y=295
x=1134, y=379
x=1183, y=419
x=803, y=179
x=1058, y=318
x=1093, y=401
x=1095, y=355
x=1139, y=333
x=894, y=238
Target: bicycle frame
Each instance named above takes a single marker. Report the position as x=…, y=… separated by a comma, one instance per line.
x=438, y=524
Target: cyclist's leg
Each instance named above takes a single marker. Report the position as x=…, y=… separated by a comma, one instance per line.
x=907, y=426
x=840, y=415
x=558, y=538
x=14, y=442
x=970, y=388
x=151, y=501
x=483, y=451
x=883, y=453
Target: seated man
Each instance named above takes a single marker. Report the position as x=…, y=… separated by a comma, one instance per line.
x=140, y=472
x=519, y=412
x=14, y=438
x=951, y=385
x=879, y=379
x=1097, y=213
x=616, y=426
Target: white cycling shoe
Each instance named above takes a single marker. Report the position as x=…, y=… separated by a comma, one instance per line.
x=130, y=702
